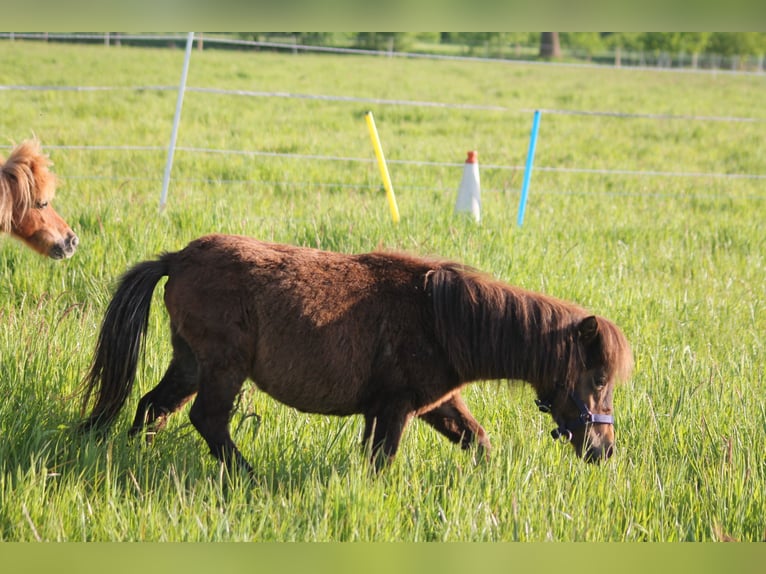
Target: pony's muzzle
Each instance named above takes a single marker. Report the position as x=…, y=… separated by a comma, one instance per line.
x=64, y=248
x=599, y=454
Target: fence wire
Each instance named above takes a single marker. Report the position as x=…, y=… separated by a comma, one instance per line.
x=377, y=101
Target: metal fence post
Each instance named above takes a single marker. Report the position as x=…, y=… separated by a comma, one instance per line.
x=176, y=121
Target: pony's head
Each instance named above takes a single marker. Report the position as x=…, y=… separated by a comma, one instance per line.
x=581, y=405
x=26, y=190
x=491, y=330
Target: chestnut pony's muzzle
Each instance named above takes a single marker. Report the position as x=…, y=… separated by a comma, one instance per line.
x=65, y=248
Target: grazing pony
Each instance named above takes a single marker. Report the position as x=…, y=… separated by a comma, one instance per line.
x=26, y=190
x=384, y=335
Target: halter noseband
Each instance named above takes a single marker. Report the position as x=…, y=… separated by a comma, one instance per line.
x=564, y=430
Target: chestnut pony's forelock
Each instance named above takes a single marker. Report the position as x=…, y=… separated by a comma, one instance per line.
x=24, y=179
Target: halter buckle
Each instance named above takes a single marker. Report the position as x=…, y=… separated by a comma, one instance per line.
x=561, y=433
x=543, y=406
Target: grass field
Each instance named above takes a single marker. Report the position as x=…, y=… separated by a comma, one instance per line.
x=677, y=262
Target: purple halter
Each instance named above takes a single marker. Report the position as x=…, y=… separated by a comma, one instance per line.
x=564, y=430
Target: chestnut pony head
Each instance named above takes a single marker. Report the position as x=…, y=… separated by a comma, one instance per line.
x=26, y=190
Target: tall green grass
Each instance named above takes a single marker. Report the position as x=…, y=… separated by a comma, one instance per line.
x=677, y=262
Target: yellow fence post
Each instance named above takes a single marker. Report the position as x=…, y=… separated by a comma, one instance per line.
x=382, y=165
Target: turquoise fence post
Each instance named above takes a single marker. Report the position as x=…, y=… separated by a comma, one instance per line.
x=528, y=167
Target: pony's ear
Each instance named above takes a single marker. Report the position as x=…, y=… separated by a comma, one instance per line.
x=587, y=330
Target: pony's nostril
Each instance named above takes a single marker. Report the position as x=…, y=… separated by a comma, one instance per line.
x=71, y=242
x=599, y=455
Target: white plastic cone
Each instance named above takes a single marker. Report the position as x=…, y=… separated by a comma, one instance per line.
x=469, y=192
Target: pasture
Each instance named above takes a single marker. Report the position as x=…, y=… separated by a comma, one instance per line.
x=676, y=260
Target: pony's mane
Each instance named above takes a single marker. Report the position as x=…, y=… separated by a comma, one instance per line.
x=493, y=330
x=22, y=176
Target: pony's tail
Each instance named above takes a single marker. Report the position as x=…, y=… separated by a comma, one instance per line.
x=111, y=375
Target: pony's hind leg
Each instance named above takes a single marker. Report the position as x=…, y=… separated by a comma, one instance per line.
x=178, y=385
x=453, y=419
x=211, y=411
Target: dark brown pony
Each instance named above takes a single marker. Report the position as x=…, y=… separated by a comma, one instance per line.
x=384, y=335
x=26, y=190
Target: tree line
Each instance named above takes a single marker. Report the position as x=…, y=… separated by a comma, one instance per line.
x=733, y=50
x=726, y=44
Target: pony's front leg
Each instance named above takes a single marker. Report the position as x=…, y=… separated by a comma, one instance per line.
x=453, y=419
x=385, y=427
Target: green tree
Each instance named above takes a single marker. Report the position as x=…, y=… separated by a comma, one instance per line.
x=737, y=43
x=624, y=40
x=493, y=43
x=694, y=42
x=660, y=41
x=476, y=41
x=308, y=38
x=399, y=41
x=428, y=37
x=321, y=38
x=587, y=42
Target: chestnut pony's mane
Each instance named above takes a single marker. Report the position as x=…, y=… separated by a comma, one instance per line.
x=17, y=181
x=514, y=333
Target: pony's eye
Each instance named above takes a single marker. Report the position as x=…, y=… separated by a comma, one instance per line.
x=41, y=204
x=599, y=382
